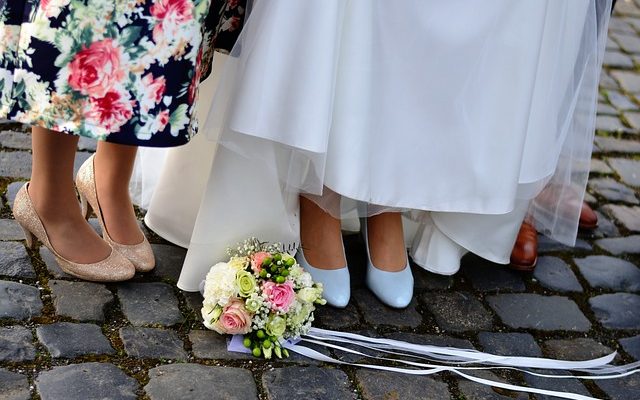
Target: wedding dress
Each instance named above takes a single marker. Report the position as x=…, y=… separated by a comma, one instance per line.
x=458, y=115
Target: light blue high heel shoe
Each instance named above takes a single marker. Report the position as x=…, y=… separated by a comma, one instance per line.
x=395, y=289
x=336, y=282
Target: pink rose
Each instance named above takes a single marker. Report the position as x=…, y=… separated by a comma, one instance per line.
x=235, y=319
x=257, y=259
x=171, y=14
x=193, y=87
x=281, y=295
x=163, y=120
x=96, y=69
x=110, y=111
x=153, y=91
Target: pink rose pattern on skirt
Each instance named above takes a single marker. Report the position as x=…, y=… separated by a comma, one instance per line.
x=125, y=71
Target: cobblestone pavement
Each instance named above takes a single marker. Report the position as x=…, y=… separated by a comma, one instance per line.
x=65, y=339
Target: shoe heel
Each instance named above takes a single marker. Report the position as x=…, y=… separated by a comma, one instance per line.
x=29, y=237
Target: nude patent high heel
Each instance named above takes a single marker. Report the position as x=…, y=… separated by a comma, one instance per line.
x=114, y=268
x=141, y=254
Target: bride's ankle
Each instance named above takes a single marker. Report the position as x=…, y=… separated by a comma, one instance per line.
x=385, y=236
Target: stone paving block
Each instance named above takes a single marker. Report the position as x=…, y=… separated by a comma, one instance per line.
x=152, y=343
x=424, y=279
x=617, y=59
x=80, y=158
x=555, y=274
x=613, y=190
x=606, y=109
x=559, y=385
x=477, y=391
x=617, y=310
x=611, y=45
x=609, y=273
x=382, y=385
x=331, y=318
x=607, y=82
x=213, y=346
x=12, y=191
x=629, y=81
x=613, y=145
x=200, y=382
x=626, y=8
x=194, y=303
x=609, y=123
x=15, y=261
x=633, y=118
x=87, y=144
x=376, y=313
x=632, y=346
x=509, y=344
x=589, y=198
x=621, y=389
x=10, y=230
x=600, y=167
x=86, y=339
x=533, y=311
x=579, y=349
x=82, y=301
x=605, y=228
x=307, y=383
x=52, y=264
x=14, y=386
x=621, y=25
x=488, y=276
x=628, y=43
x=629, y=170
x=18, y=301
x=621, y=101
x=16, y=344
x=458, y=311
x=169, y=260
x=623, y=245
x=149, y=303
x=15, y=164
x=15, y=140
x=87, y=381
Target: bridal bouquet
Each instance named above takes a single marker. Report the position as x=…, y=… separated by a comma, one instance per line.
x=263, y=294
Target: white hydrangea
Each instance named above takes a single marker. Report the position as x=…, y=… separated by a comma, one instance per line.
x=220, y=284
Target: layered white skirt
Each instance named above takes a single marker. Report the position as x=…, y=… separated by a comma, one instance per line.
x=458, y=114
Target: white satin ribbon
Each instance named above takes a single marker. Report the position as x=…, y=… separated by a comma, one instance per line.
x=598, y=368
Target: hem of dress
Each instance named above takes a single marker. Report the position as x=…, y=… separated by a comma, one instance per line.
x=108, y=139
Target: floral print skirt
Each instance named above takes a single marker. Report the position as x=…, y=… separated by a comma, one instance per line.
x=124, y=71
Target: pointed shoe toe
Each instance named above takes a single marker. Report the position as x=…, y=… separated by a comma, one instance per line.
x=395, y=289
x=335, y=282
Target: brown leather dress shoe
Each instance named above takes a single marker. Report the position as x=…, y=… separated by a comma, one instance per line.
x=525, y=252
x=588, y=218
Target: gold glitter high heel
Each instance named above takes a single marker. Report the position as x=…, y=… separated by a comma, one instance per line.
x=114, y=268
x=141, y=254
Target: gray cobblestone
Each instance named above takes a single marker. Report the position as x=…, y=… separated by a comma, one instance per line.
x=487, y=276
x=307, y=383
x=617, y=59
x=600, y=167
x=213, y=346
x=328, y=317
x=427, y=280
x=579, y=349
x=606, y=109
x=200, y=382
x=509, y=344
x=15, y=140
x=87, y=339
x=610, y=273
x=532, y=311
x=623, y=245
x=19, y=301
x=12, y=190
x=633, y=118
x=376, y=313
x=613, y=145
x=613, y=191
x=381, y=385
x=83, y=301
x=629, y=170
x=149, y=303
x=617, y=310
x=14, y=386
x=89, y=381
x=619, y=100
x=169, y=260
x=560, y=385
x=605, y=228
x=632, y=346
x=10, y=230
x=555, y=274
x=15, y=262
x=16, y=344
x=622, y=389
x=609, y=123
x=52, y=264
x=152, y=343
x=15, y=164
x=628, y=43
x=476, y=391
x=628, y=80
x=457, y=311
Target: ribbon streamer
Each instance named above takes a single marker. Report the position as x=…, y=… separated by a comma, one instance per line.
x=470, y=360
